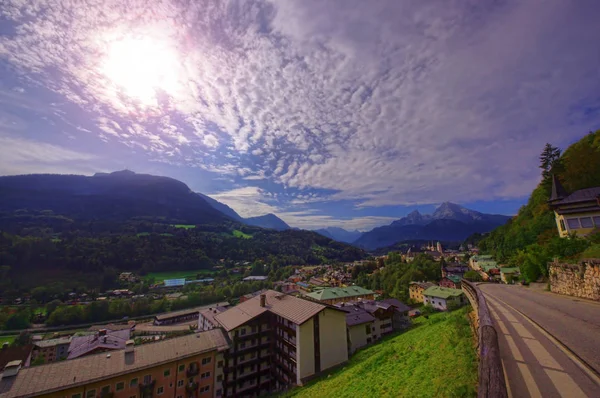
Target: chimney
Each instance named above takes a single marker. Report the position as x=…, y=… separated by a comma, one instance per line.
x=263, y=300
x=102, y=332
x=11, y=369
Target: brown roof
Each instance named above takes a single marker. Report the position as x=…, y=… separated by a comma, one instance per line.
x=289, y=307
x=60, y=375
x=10, y=354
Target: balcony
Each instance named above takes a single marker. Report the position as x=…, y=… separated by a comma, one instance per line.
x=192, y=371
x=190, y=388
x=147, y=389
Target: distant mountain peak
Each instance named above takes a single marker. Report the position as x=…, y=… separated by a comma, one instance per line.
x=269, y=220
x=340, y=234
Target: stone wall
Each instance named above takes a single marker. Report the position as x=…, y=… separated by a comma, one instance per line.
x=579, y=280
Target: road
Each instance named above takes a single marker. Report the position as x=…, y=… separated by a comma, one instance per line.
x=536, y=364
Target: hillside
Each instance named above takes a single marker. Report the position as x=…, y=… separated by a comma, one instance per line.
x=449, y=222
x=270, y=221
x=436, y=358
x=531, y=239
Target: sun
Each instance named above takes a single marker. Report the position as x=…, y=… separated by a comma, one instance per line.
x=141, y=66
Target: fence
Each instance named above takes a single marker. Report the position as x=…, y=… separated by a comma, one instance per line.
x=491, y=376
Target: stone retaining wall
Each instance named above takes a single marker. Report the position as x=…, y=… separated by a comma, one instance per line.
x=578, y=280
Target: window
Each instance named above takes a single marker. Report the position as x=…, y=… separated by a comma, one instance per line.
x=147, y=379
x=573, y=223
x=368, y=329
x=220, y=378
x=120, y=386
x=180, y=383
x=76, y=396
x=219, y=392
x=242, y=346
x=597, y=221
x=167, y=372
x=133, y=382
x=237, y=333
x=220, y=364
x=90, y=393
x=205, y=375
x=206, y=360
x=105, y=390
x=204, y=389
x=181, y=368
x=242, y=358
x=586, y=222
x=160, y=390
x=562, y=225
x=243, y=332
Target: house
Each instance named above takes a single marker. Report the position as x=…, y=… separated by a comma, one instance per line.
x=577, y=212
x=278, y=341
x=51, y=350
x=507, y=273
x=190, y=366
x=317, y=281
x=442, y=298
x=334, y=295
x=416, y=289
x=127, y=277
x=360, y=325
x=451, y=281
x=103, y=340
x=456, y=269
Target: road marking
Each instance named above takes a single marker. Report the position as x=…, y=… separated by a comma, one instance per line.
x=508, y=390
x=503, y=328
x=522, y=331
x=513, y=348
x=564, y=384
x=542, y=355
x=532, y=387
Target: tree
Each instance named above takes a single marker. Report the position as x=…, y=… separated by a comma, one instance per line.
x=473, y=276
x=548, y=159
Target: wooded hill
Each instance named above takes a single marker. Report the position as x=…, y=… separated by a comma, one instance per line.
x=530, y=240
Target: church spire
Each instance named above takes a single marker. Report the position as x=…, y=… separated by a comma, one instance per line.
x=558, y=192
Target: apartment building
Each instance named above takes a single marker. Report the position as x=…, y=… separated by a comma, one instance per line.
x=184, y=367
x=416, y=289
x=51, y=350
x=334, y=295
x=278, y=341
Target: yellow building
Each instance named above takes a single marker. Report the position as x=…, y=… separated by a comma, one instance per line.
x=575, y=213
x=189, y=366
x=416, y=289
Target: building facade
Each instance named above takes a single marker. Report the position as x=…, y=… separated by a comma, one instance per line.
x=416, y=289
x=51, y=350
x=334, y=295
x=451, y=281
x=575, y=213
x=277, y=341
x=443, y=298
x=185, y=367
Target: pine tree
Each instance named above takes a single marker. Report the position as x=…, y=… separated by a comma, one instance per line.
x=549, y=159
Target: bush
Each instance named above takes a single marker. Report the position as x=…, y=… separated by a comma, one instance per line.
x=473, y=276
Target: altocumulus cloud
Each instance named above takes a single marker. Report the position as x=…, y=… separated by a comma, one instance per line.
x=381, y=103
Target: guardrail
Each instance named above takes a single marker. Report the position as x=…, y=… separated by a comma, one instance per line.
x=492, y=383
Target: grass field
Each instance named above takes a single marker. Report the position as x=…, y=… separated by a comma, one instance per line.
x=6, y=339
x=436, y=358
x=159, y=276
x=184, y=226
x=240, y=234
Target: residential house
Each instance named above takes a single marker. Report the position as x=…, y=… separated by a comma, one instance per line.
x=507, y=273
x=317, y=281
x=103, y=340
x=51, y=350
x=577, y=212
x=451, y=281
x=334, y=295
x=277, y=341
x=442, y=298
x=189, y=366
x=416, y=289
x=456, y=269
x=127, y=277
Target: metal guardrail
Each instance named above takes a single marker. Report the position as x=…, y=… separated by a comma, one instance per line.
x=492, y=383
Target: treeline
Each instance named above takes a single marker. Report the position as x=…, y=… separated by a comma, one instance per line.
x=395, y=276
x=530, y=240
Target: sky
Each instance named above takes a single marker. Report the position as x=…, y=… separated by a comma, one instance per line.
x=326, y=113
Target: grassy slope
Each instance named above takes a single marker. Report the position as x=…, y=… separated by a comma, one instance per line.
x=159, y=276
x=7, y=339
x=436, y=358
x=240, y=234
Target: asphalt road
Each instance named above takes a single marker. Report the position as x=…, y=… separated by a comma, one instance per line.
x=535, y=365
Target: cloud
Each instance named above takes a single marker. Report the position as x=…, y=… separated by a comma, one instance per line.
x=247, y=201
x=383, y=103
x=21, y=156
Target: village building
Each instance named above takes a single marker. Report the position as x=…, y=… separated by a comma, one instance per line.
x=189, y=366
x=455, y=269
x=443, y=298
x=416, y=289
x=188, y=315
x=507, y=273
x=451, y=281
x=577, y=212
x=51, y=350
x=334, y=295
x=277, y=341
x=101, y=341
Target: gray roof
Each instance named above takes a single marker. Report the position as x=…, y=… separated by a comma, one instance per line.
x=558, y=192
x=580, y=196
x=400, y=306
x=113, y=340
x=52, y=342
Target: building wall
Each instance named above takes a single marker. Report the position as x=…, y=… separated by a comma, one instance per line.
x=333, y=338
x=436, y=302
x=349, y=298
x=416, y=293
x=579, y=231
x=305, y=354
x=359, y=337
x=579, y=280
x=173, y=385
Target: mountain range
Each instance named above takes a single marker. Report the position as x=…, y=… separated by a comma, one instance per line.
x=449, y=222
x=339, y=234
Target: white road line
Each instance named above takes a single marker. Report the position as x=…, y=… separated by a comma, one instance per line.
x=542, y=355
x=564, y=384
x=514, y=349
x=522, y=331
x=532, y=387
